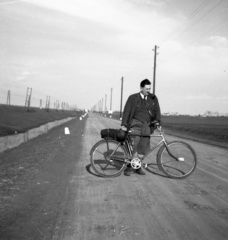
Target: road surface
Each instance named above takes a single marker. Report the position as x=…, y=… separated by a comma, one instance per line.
x=49, y=191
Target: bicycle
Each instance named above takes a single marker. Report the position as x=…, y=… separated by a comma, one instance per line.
x=175, y=159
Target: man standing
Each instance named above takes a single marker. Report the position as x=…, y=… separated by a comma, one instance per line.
x=140, y=109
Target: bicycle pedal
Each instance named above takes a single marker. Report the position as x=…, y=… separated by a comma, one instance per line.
x=180, y=159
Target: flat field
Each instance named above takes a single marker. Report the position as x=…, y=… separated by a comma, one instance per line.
x=15, y=119
x=210, y=129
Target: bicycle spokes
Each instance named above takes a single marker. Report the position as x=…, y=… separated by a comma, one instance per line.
x=177, y=160
x=108, y=158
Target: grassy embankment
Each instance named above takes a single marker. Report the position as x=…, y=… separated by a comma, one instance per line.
x=15, y=119
x=212, y=130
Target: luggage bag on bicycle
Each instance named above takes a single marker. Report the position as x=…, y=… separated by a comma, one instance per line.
x=115, y=134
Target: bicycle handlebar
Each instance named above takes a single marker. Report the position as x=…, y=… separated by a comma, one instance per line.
x=155, y=123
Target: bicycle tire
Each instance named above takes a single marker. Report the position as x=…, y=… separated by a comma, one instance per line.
x=107, y=158
x=182, y=165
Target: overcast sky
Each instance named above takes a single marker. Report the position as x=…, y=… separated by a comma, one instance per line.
x=77, y=50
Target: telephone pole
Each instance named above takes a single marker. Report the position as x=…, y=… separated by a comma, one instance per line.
x=8, y=98
x=121, y=98
x=105, y=103
x=102, y=109
x=155, y=64
x=47, y=103
x=111, y=102
x=28, y=98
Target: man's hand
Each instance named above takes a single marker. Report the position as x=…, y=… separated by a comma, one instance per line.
x=156, y=123
x=123, y=128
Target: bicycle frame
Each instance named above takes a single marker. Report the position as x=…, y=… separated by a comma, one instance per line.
x=129, y=145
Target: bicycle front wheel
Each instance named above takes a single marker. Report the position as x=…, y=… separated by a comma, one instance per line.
x=177, y=159
x=108, y=157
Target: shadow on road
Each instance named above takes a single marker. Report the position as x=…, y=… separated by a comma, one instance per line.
x=88, y=168
x=153, y=168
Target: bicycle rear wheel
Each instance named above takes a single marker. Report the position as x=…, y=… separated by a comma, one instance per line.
x=178, y=161
x=107, y=158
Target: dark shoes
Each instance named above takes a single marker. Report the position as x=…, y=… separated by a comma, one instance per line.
x=140, y=171
x=128, y=171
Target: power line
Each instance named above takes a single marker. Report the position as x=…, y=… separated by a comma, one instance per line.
x=181, y=28
x=210, y=30
x=221, y=23
x=195, y=12
x=190, y=26
x=202, y=6
x=207, y=13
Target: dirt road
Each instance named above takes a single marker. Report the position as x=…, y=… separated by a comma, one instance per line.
x=49, y=191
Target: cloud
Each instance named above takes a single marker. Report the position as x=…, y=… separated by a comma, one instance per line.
x=147, y=3
x=218, y=41
x=12, y=2
x=100, y=11
x=122, y=15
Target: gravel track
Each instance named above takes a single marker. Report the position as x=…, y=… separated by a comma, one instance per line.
x=49, y=191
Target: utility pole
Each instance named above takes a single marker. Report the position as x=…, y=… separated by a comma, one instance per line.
x=105, y=103
x=47, y=103
x=57, y=105
x=102, y=105
x=28, y=98
x=46, y=107
x=121, y=98
x=8, y=98
x=111, y=102
x=155, y=64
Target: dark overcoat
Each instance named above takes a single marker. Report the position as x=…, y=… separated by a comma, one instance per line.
x=133, y=102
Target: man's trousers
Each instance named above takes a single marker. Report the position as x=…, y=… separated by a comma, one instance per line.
x=141, y=145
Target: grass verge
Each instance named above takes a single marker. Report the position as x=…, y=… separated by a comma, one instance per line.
x=15, y=119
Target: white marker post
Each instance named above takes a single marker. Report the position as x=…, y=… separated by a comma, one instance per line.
x=67, y=131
